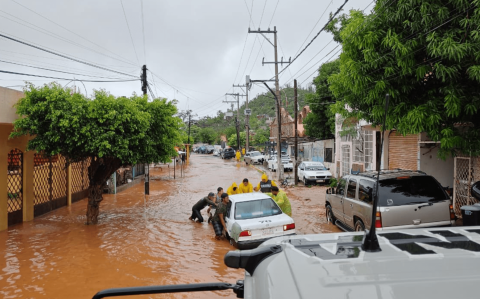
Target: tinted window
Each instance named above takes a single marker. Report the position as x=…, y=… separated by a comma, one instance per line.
x=256, y=209
x=365, y=191
x=410, y=190
x=352, y=187
x=341, y=187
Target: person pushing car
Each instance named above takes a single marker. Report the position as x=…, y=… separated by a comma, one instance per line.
x=265, y=185
x=245, y=186
x=200, y=205
x=233, y=189
x=280, y=197
x=218, y=220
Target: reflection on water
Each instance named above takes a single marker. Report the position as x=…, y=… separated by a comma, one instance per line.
x=136, y=242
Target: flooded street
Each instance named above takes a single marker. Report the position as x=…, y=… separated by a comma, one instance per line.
x=137, y=241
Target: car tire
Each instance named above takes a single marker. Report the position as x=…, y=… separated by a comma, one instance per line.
x=359, y=226
x=330, y=217
x=305, y=181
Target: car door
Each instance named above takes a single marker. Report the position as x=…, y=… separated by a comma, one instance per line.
x=337, y=199
x=229, y=219
x=301, y=171
x=349, y=202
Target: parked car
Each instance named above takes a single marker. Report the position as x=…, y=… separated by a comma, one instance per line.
x=209, y=149
x=216, y=152
x=407, y=199
x=254, y=218
x=286, y=162
x=228, y=153
x=313, y=172
x=254, y=157
x=202, y=149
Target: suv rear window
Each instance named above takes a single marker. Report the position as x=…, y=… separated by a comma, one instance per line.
x=256, y=209
x=410, y=190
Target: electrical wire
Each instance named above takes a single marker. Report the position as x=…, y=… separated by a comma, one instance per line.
x=130, y=32
x=49, y=33
x=263, y=11
x=46, y=69
x=64, y=56
x=56, y=78
x=63, y=27
x=321, y=30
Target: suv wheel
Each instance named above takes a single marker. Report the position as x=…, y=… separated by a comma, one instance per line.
x=359, y=227
x=330, y=216
x=305, y=181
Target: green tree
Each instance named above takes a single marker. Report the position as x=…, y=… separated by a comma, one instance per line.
x=261, y=136
x=111, y=131
x=232, y=140
x=207, y=135
x=425, y=55
x=320, y=123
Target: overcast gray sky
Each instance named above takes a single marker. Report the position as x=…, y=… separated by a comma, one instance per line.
x=194, y=50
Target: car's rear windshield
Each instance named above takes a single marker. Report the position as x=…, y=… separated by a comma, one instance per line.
x=410, y=190
x=256, y=209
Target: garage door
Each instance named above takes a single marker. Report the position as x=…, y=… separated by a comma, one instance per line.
x=403, y=151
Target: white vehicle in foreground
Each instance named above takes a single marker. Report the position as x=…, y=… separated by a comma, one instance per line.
x=313, y=172
x=254, y=218
x=286, y=162
x=440, y=263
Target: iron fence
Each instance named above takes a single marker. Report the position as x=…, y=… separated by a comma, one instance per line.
x=466, y=172
x=79, y=179
x=15, y=187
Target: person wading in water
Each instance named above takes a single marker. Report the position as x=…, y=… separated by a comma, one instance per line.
x=265, y=185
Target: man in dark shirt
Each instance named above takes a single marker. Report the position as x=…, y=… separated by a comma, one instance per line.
x=202, y=203
x=218, y=220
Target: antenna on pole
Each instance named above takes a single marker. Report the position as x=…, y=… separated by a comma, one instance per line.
x=370, y=240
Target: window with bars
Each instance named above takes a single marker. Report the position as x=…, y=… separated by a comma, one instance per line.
x=368, y=150
x=345, y=160
x=358, y=148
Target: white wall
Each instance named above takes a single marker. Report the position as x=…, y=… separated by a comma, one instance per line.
x=436, y=167
x=8, y=98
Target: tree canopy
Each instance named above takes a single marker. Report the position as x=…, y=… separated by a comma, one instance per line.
x=111, y=131
x=426, y=56
x=320, y=123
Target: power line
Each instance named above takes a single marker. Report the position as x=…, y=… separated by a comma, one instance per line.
x=46, y=69
x=49, y=33
x=263, y=11
x=68, y=30
x=128, y=26
x=64, y=56
x=56, y=78
x=321, y=30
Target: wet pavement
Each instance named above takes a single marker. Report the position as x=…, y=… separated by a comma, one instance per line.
x=139, y=240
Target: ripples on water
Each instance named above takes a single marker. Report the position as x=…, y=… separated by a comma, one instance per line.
x=137, y=241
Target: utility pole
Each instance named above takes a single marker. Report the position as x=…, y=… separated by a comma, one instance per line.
x=276, y=94
x=237, y=119
x=144, y=90
x=247, y=116
x=188, y=145
x=295, y=166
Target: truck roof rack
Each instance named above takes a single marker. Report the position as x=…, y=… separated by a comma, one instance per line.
x=389, y=172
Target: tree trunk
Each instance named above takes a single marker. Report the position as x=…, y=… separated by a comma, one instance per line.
x=99, y=172
x=95, y=196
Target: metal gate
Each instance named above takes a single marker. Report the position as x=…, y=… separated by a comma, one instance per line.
x=466, y=172
x=49, y=183
x=15, y=187
x=80, y=181
x=318, y=151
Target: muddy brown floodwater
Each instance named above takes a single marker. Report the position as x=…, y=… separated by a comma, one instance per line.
x=137, y=241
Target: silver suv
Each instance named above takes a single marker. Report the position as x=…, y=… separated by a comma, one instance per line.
x=407, y=199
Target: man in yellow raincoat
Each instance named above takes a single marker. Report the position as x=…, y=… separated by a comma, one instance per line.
x=233, y=189
x=238, y=155
x=243, y=151
x=280, y=197
x=265, y=185
x=246, y=186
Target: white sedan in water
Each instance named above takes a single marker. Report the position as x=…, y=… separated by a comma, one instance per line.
x=286, y=162
x=313, y=172
x=254, y=218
